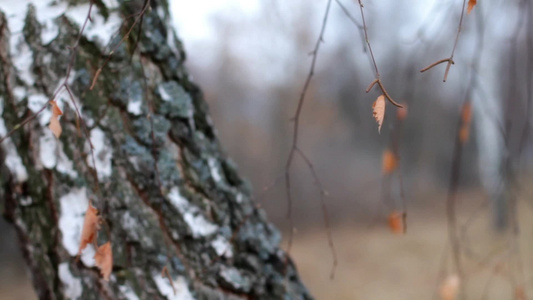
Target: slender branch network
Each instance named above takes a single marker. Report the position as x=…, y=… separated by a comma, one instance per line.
x=295, y=150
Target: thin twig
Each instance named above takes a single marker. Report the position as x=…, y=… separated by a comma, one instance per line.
x=373, y=59
x=354, y=21
x=296, y=120
x=63, y=84
x=137, y=20
x=449, y=60
x=323, y=193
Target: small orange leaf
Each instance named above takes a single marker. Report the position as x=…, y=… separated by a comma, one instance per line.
x=471, y=4
x=91, y=225
x=519, y=293
x=397, y=222
x=401, y=113
x=466, y=112
x=55, y=126
x=450, y=287
x=379, y=111
x=103, y=259
x=390, y=163
x=466, y=117
x=464, y=133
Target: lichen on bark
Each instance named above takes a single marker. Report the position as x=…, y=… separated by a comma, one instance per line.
x=169, y=197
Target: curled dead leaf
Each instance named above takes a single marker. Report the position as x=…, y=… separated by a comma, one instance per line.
x=55, y=126
x=397, y=222
x=103, y=259
x=91, y=225
x=378, y=109
x=450, y=287
x=390, y=163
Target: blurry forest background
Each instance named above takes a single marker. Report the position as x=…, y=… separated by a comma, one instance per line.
x=251, y=58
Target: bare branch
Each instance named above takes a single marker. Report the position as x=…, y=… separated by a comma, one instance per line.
x=450, y=59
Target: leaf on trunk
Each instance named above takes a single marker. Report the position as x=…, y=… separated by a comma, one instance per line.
x=471, y=4
x=450, y=287
x=55, y=126
x=390, y=163
x=397, y=222
x=103, y=259
x=378, y=109
x=91, y=225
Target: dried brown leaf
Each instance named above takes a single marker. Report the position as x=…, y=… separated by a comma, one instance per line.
x=103, y=259
x=390, y=163
x=466, y=117
x=55, y=126
x=401, y=113
x=519, y=293
x=91, y=225
x=450, y=287
x=397, y=222
x=378, y=109
x=471, y=4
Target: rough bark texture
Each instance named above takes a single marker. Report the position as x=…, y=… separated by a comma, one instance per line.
x=181, y=216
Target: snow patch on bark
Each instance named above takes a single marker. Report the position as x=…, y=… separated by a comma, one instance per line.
x=102, y=154
x=165, y=96
x=99, y=30
x=128, y=292
x=48, y=148
x=73, y=206
x=192, y=214
x=72, y=288
x=52, y=155
x=111, y=4
x=222, y=246
x=46, y=12
x=65, y=165
x=165, y=288
x=22, y=60
x=234, y=277
x=134, y=107
x=36, y=103
x=12, y=159
x=214, y=169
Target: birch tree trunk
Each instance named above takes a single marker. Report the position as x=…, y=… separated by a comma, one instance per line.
x=168, y=197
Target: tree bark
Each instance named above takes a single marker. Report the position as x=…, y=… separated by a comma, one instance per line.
x=169, y=198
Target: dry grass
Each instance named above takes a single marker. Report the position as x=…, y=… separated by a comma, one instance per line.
x=376, y=264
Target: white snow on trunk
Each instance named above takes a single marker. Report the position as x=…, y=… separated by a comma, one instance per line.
x=48, y=149
x=165, y=288
x=222, y=246
x=72, y=211
x=128, y=292
x=214, y=169
x=102, y=154
x=99, y=30
x=192, y=215
x=72, y=288
x=12, y=159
